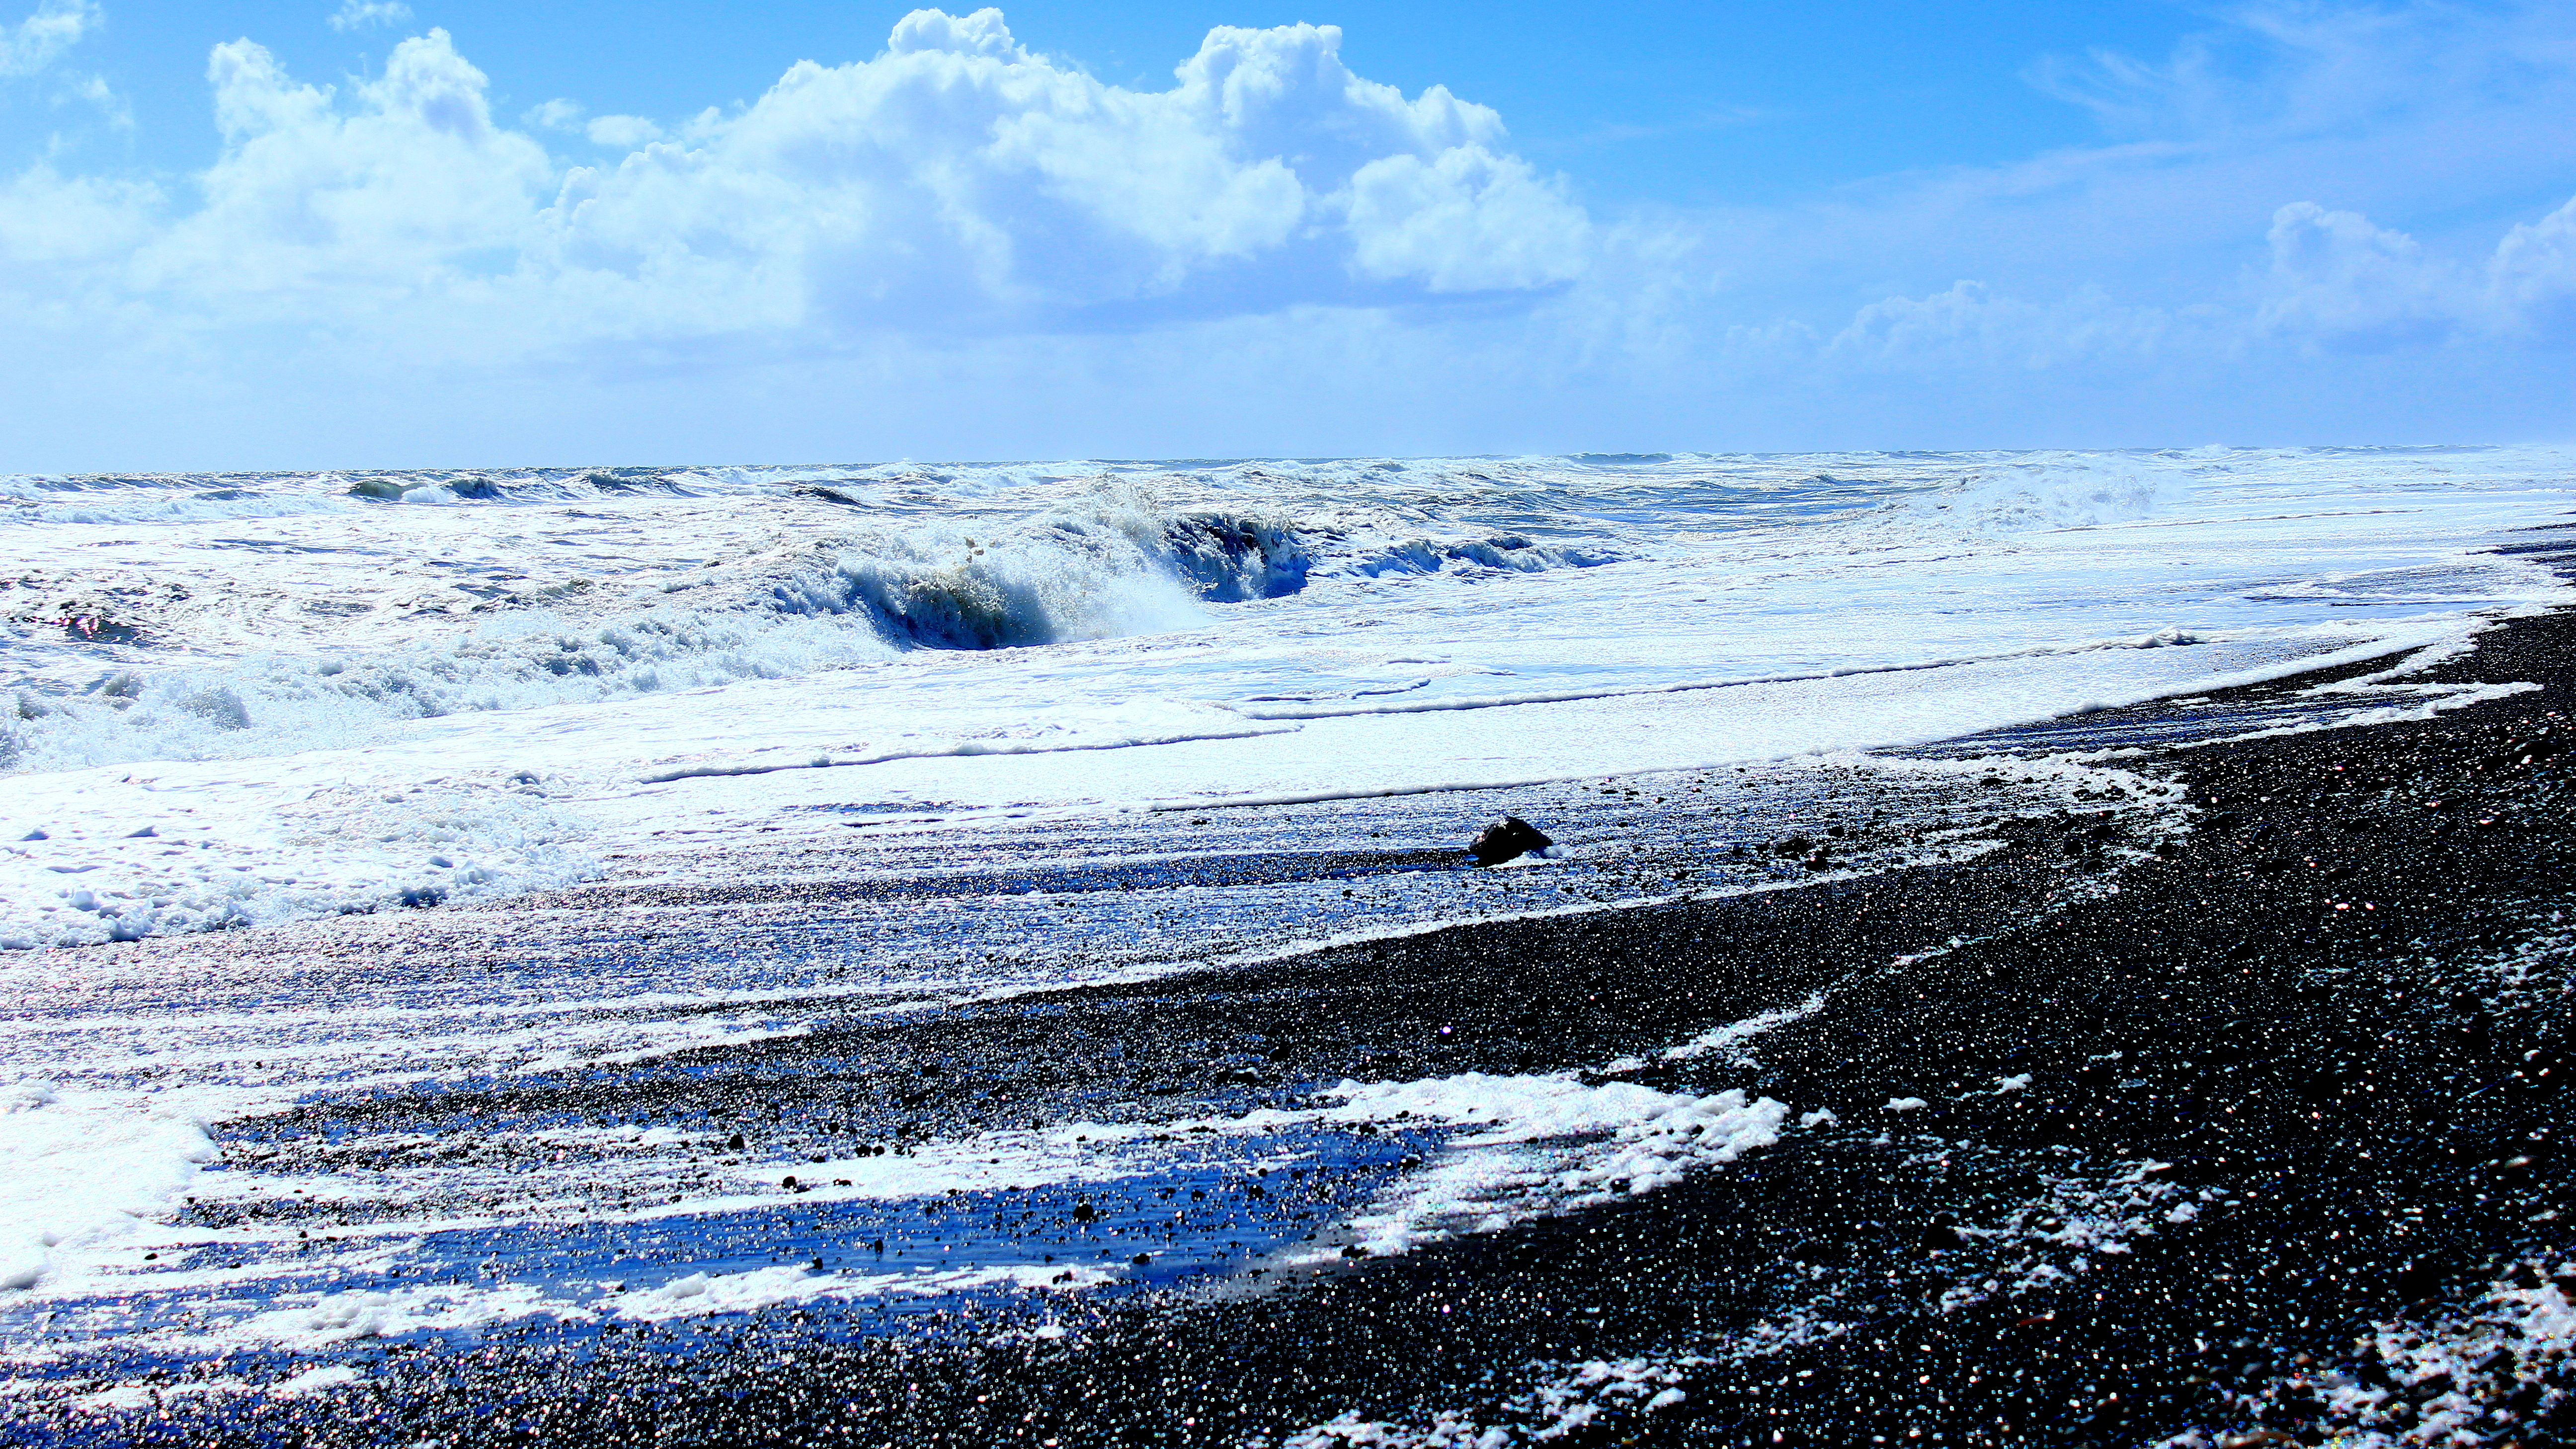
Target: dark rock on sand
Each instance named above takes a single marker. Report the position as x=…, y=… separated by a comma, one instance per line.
x=1506, y=839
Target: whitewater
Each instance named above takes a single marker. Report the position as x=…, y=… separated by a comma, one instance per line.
x=324, y=785
x=242, y=700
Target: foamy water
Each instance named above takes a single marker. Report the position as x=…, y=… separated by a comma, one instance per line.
x=612, y=720
x=322, y=692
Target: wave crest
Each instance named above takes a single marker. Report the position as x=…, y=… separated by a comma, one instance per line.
x=1116, y=566
x=1509, y=552
x=1112, y=560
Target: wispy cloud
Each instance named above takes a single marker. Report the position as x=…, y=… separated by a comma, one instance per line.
x=621, y=131
x=112, y=107
x=362, y=14
x=558, y=114
x=33, y=43
x=1619, y=133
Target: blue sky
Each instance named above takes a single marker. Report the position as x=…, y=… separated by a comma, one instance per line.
x=1688, y=103
x=361, y=233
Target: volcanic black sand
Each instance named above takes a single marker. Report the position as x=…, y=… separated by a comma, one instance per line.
x=2311, y=1042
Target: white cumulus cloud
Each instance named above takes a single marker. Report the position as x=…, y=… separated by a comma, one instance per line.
x=2340, y=280
x=2532, y=278
x=957, y=180
x=953, y=184
x=1465, y=219
x=112, y=108
x=387, y=187
x=958, y=245
x=2337, y=277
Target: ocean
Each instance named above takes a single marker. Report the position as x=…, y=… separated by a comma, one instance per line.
x=471, y=809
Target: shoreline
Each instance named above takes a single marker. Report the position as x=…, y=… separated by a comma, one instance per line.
x=2316, y=1053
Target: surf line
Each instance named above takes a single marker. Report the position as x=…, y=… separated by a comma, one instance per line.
x=966, y=750
x=2168, y=638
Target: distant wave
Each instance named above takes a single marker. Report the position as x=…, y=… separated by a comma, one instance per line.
x=1109, y=563
x=220, y=616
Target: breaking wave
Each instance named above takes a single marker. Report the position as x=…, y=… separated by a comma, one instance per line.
x=1077, y=573
x=1509, y=552
x=2047, y=492
x=1110, y=562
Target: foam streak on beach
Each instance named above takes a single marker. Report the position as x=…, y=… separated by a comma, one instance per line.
x=988, y=954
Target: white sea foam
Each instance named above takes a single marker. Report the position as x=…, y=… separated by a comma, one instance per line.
x=1518, y=1147
x=1552, y=1401
x=328, y=1319
x=2466, y=1375
x=114, y=854
x=1728, y=1042
x=701, y=1294
x=1537, y=1145
x=243, y=702
x=79, y=1171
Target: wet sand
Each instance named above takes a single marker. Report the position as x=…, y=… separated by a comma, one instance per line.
x=2193, y=1107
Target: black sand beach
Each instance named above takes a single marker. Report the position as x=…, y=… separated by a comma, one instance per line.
x=2302, y=1059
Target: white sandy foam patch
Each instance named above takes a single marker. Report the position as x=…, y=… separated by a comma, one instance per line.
x=1549, y=1141
x=1531, y=1146
x=322, y=1320
x=2487, y=1372
x=81, y=1172
x=129, y=1397
x=1523, y=1147
x=1536, y=1145
x=704, y=1293
x=118, y=853
x=1559, y=1399
x=314, y=1321
x=1728, y=1041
